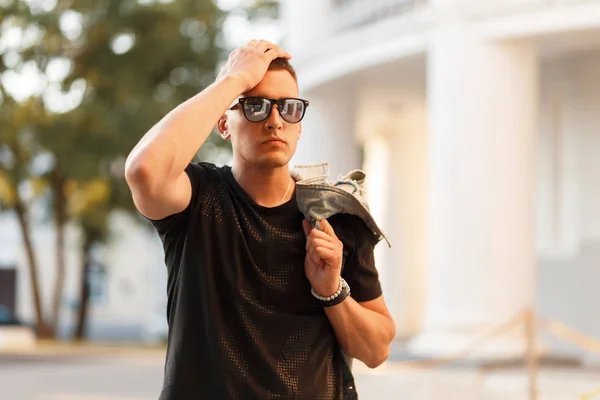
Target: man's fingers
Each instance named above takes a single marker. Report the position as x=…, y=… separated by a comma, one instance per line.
x=325, y=232
x=315, y=257
x=313, y=242
x=327, y=228
x=269, y=49
x=265, y=45
x=272, y=50
x=319, y=242
x=278, y=53
x=325, y=254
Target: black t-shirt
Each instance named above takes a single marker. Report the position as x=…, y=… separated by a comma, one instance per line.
x=242, y=321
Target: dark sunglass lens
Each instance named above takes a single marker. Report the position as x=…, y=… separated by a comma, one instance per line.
x=256, y=109
x=292, y=111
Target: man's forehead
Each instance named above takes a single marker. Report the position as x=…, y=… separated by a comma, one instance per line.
x=271, y=92
x=276, y=84
x=268, y=95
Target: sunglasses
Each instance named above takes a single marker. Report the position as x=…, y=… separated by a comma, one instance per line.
x=257, y=109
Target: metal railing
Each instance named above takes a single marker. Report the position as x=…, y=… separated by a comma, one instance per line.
x=534, y=326
x=347, y=14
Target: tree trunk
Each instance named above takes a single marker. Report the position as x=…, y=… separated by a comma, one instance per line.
x=43, y=329
x=59, y=224
x=84, y=287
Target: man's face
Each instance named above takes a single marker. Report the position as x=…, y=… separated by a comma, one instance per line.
x=270, y=143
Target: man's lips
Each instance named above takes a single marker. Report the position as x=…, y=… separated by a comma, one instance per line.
x=279, y=140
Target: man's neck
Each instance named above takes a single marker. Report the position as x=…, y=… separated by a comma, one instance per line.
x=268, y=187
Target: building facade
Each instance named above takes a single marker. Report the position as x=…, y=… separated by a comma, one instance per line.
x=127, y=281
x=477, y=123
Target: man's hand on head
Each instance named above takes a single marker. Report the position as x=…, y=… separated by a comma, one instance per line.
x=250, y=63
x=323, y=262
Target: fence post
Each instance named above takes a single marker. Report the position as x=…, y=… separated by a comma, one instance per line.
x=531, y=355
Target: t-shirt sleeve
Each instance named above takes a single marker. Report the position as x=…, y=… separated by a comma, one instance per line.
x=359, y=271
x=172, y=230
x=176, y=223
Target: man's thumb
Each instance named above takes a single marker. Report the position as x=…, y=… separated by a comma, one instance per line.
x=327, y=228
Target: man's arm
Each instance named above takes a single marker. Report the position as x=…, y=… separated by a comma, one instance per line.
x=154, y=169
x=364, y=330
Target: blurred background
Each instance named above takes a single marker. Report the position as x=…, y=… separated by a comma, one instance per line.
x=477, y=123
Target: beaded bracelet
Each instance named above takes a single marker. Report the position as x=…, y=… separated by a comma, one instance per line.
x=341, y=293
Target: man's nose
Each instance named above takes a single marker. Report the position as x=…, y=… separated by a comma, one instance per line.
x=274, y=121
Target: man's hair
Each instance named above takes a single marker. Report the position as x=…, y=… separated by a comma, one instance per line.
x=280, y=64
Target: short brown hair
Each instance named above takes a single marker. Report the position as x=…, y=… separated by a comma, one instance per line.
x=280, y=64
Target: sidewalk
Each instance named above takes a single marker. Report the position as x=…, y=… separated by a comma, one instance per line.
x=109, y=372
x=391, y=381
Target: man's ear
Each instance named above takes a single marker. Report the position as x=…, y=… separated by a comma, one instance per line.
x=223, y=128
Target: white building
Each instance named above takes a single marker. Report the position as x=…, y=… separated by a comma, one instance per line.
x=478, y=125
x=477, y=122
x=128, y=302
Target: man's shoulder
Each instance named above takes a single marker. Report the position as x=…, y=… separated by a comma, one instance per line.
x=205, y=172
x=350, y=227
x=347, y=221
x=206, y=166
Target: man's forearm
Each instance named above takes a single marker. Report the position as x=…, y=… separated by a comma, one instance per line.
x=168, y=147
x=363, y=334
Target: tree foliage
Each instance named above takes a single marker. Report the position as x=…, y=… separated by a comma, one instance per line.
x=109, y=70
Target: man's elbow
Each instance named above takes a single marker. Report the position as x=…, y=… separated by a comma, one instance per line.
x=139, y=174
x=381, y=354
x=136, y=170
x=378, y=358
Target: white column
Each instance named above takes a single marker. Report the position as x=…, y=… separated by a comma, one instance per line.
x=392, y=128
x=482, y=124
x=409, y=212
x=377, y=164
x=304, y=22
x=328, y=129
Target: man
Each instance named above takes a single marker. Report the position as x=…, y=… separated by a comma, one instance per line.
x=245, y=270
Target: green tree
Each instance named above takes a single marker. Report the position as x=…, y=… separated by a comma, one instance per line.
x=16, y=153
x=130, y=63
x=112, y=69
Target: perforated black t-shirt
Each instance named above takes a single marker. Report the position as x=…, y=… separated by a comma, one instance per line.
x=242, y=321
